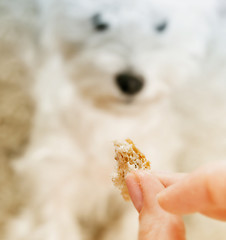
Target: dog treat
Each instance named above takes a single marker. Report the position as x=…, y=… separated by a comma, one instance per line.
x=128, y=158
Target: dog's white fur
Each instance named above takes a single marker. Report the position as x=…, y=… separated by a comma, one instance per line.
x=80, y=110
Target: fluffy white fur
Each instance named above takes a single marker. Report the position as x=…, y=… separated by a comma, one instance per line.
x=177, y=119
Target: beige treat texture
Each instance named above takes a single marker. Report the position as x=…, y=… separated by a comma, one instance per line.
x=128, y=158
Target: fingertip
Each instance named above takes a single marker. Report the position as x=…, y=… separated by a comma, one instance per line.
x=162, y=200
x=134, y=189
x=169, y=201
x=168, y=179
x=176, y=202
x=129, y=177
x=143, y=187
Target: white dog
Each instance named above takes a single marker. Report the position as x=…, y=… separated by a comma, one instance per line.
x=113, y=70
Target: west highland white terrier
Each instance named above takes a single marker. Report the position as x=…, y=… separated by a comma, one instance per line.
x=149, y=70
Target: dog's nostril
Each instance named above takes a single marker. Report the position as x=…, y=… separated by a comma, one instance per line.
x=129, y=84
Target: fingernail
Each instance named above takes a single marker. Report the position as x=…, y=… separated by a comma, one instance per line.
x=133, y=185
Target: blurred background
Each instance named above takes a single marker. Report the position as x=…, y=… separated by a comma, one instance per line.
x=75, y=75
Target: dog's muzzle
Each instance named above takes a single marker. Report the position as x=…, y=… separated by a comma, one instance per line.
x=129, y=84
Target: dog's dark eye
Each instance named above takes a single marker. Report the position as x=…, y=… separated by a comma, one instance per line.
x=161, y=27
x=99, y=24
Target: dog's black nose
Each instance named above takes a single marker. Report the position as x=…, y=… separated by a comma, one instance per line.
x=129, y=83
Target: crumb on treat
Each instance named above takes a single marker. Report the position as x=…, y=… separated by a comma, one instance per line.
x=128, y=158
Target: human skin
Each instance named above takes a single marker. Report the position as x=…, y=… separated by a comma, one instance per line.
x=154, y=222
x=161, y=199
x=203, y=191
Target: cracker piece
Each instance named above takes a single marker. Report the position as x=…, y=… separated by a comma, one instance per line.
x=128, y=158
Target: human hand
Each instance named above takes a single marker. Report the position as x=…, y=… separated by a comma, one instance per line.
x=202, y=191
x=154, y=222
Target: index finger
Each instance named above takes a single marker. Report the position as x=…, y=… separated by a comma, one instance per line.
x=200, y=191
x=168, y=179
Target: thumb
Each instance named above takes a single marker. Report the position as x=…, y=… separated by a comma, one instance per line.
x=143, y=188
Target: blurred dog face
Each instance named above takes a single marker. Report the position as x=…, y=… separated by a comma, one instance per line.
x=121, y=52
